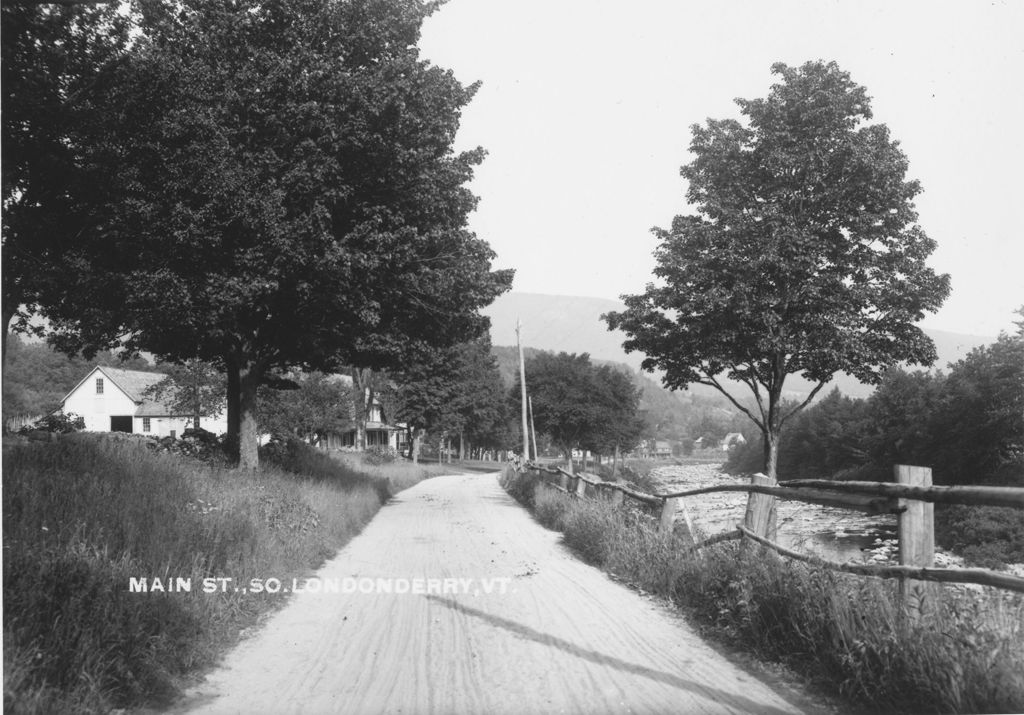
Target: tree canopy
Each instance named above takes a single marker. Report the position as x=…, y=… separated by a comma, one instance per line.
x=322, y=404
x=55, y=60
x=966, y=424
x=458, y=391
x=802, y=256
x=580, y=405
x=282, y=192
x=194, y=388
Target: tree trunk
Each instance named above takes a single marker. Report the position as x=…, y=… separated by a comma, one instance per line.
x=462, y=447
x=615, y=463
x=248, y=437
x=771, y=453
x=362, y=379
x=8, y=316
x=234, y=422
x=771, y=456
x=568, y=460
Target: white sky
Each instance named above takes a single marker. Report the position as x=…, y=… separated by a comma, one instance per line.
x=586, y=106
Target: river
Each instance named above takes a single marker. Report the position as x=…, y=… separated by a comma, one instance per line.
x=828, y=532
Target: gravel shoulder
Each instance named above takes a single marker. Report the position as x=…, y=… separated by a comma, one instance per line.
x=552, y=634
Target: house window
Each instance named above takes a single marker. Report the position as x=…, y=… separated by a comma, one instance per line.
x=145, y=424
x=99, y=385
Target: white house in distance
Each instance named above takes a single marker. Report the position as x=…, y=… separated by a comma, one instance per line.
x=111, y=400
x=378, y=432
x=733, y=439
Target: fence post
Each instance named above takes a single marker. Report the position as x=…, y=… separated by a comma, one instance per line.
x=617, y=497
x=668, y=512
x=916, y=531
x=760, y=509
x=689, y=522
x=581, y=487
x=563, y=481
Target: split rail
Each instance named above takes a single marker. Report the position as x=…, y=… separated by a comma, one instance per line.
x=911, y=498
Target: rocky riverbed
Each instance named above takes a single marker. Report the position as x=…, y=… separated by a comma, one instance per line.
x=828, y=532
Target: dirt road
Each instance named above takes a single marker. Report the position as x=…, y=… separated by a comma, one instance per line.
x=487, y=613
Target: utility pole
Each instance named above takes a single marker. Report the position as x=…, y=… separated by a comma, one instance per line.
x=533, y=430
x=522, y=382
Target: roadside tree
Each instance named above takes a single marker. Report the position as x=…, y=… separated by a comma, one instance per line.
x=803, y=256
x=284, y=195
x=579, y=405
x=195, y=388
x=55, y=58
x=456, y=392
x=318, y=405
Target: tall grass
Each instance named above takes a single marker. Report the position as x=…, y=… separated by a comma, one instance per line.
x=398, y=474
x=847, y=633
x=86, y=513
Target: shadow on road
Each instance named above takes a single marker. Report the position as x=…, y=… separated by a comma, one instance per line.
x=732, y=700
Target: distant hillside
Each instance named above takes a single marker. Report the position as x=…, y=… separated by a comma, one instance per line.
x=670, y=415
x=572, y=324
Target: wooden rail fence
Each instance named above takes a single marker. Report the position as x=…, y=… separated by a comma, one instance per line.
x=912, y=498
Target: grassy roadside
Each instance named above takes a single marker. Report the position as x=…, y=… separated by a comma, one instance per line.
x=85, y=514
x=845, y=633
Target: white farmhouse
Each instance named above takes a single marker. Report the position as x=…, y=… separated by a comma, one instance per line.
x=112, y=400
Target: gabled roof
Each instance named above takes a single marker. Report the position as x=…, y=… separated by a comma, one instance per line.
x=133, y=383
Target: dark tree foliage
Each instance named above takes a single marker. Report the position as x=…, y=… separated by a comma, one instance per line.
x=194, y=388
x=37, y=377
x=455, y=392
x=802, y=257
x=900, y=423
x=320, y=405
x=967, y=425
x=980, y=427
x=822, y=440
x=55, y=59
x=581, y=406
x=283, y=194
x=617, y=399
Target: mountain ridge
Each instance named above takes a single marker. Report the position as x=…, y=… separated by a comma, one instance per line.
x=572, y=324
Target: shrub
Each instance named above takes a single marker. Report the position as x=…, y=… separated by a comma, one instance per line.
x=589, y=530
x=57, y=423
x=986, y=536
x=551, y=507
x=521, y=485
x=296, y=456
x=380, y=454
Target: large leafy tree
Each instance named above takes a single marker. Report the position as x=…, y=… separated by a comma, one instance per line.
x=318, y=405
x=284, y=195
x=803, y=255
x=580, y=405
x=194, y=388
x=620, y=425
x=480, y=402
x=458, y=391
x=55, y=59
